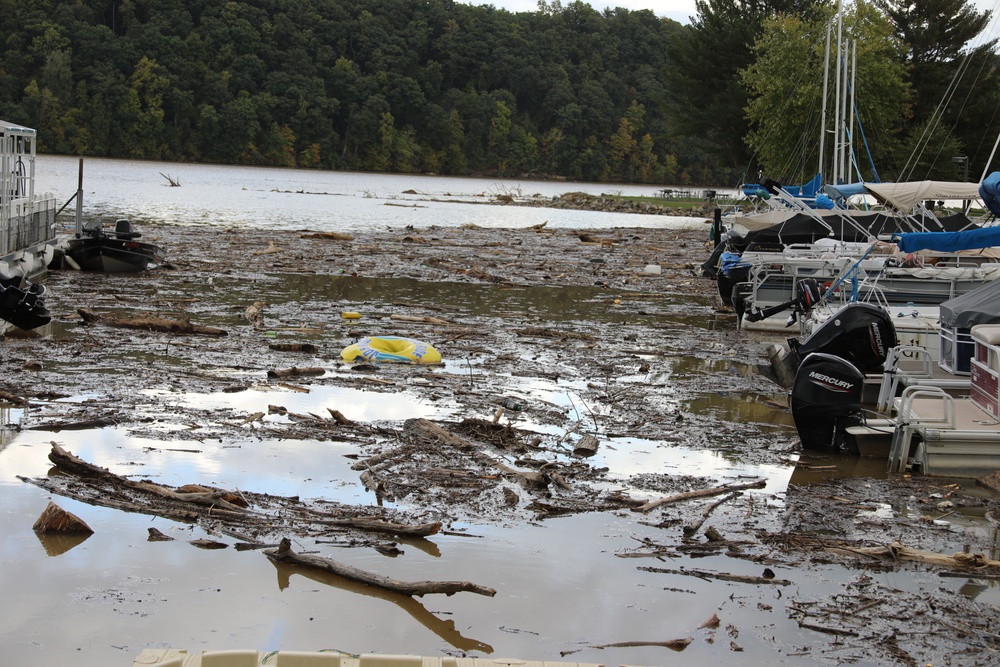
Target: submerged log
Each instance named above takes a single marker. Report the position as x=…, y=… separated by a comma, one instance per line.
x=328, y=236
x=418, y=320
x=285, y=554
x=293, y=347
x=295, y=372
x=55, y=519
x=149, y=324
x=382, y=526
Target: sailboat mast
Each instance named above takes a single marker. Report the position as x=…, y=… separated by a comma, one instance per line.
x=850, y=125
x=826, y=84
x=836, y=114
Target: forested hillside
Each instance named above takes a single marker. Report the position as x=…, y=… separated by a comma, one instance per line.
x=443, y=87
x=382, y=85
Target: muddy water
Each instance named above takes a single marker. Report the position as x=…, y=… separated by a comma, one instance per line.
x=561, y=587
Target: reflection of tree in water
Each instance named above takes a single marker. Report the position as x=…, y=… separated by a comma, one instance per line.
x=443, y=629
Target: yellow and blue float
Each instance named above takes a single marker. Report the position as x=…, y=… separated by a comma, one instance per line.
x=392, y=349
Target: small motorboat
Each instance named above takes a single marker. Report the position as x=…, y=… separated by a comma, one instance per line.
x=94, y=249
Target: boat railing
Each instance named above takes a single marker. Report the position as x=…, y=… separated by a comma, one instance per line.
x=27, y=222
x=892, y=374
x=907, y=422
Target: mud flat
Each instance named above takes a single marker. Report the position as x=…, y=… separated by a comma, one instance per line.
x=577, y=364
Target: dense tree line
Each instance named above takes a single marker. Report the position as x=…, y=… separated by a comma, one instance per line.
x=383, y=85
x=407, y=85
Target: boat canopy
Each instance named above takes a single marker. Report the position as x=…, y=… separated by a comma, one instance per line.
x=978, y=306
x=852, y=227
x=990, y=192
x=768, y=188
x=905, y=196
x=972, y=239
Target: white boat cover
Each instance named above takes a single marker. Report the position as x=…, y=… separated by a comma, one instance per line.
x=906, y=196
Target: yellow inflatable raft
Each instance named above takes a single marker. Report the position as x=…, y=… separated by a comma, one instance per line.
x=391, y=349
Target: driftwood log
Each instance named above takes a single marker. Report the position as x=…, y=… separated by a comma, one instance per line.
x=285, y=554
x=897, y=551
x=721, y=576
x=57, y=520
x=150, y=324
x=223, y=511
x=382, y=526
x=295, y=372
x=700, y=493
x=418, y=320
x=328, y=236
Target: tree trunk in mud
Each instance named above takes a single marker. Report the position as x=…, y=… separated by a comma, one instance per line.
x=285, y=554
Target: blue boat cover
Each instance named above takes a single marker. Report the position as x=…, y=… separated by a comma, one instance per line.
x=989, y=190
x=972, y=239
x=804, y=191
x=845, y=190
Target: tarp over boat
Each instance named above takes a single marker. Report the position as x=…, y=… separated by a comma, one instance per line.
x=971, y=239
x=989, y=190
x=978, y=306
x=855, y=227
x=905, y=196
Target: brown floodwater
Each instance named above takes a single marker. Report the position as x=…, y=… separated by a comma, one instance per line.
x=561, y=589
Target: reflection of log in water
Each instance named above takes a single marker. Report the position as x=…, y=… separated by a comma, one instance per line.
x=56, y=544
x=443, y=629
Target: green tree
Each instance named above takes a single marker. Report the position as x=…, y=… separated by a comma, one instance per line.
x=706, y=95
x=956, y=87
x=786, y=86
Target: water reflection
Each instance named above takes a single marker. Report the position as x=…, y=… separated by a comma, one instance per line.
x=56, y=544
x=445, y=629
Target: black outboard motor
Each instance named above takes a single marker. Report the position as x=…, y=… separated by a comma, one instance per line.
x=826, y=399
x=22, y=303
x=807, y=295
x=861, y=333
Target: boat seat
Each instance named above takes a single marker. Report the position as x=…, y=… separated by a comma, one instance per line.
x=124, y=231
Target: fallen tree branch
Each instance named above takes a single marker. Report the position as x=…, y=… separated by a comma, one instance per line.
x=701, y=493
x=285, y=554
x=382, y=526
x=150, y=324
x=897, y=551
x=721, y=576
x=692, y=529
x=673, y=644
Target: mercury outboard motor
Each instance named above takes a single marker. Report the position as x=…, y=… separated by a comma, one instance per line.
x=826, y=399
x=861, y=333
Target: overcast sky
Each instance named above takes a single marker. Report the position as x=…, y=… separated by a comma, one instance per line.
x=678, y=10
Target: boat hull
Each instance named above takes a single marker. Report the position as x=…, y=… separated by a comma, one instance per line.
x=111, y=255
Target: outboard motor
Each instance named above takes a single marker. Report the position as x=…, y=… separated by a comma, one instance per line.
x=22, y=303
x=861, y=333
x=826, y=399
x=807, y=295
x=741, y=292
